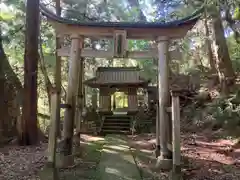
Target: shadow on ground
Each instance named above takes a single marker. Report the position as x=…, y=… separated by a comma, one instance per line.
x=85, y=166
x=117, y=161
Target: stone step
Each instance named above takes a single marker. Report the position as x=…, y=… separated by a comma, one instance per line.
x=116, y=127
x=113, y=131
x=117, y=120
x=118, y=117
x=116, y=124
x=145, y=122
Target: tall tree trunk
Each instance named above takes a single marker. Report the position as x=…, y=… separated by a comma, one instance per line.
x=11, y=92
x=211, y=59
x=58, y=71
x=223, y=62
x=48, y=84
x=2, y=81
x=30, y=132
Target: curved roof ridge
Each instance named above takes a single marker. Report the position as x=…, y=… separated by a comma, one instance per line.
x=189, y=19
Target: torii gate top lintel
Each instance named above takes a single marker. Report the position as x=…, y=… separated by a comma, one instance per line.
x=134, y=30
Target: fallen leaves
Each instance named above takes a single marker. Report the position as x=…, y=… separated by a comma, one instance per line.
x=22, y=163
x=203, y=157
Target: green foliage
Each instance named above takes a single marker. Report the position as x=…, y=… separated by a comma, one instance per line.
x=234, y=51
x=236, y=14
x=13, y=19
x=222, y=113
x=226, y=113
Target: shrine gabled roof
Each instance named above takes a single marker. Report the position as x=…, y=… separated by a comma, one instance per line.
x=95, y=83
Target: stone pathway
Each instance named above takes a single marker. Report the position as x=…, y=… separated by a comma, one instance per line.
x=117, y=161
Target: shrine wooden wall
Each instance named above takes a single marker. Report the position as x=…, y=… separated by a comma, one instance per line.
x=118, y=76
x=104, y=100
x=132, y=99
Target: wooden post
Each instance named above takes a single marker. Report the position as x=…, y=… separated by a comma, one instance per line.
x=52, y=140
x=71, y=95
x=158, y=147
x=50, y=171
x=79, y=104
x=83, y=87
x=94, y=99
x=101, y=99
x=104, y=100
x=132, y=99
x=163, y=86
x=157, y=150
x=164, y=101
x=176, y=134
x=114, y=102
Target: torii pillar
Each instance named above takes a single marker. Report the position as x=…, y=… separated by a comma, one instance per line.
x=164, y=124
x=76, y=46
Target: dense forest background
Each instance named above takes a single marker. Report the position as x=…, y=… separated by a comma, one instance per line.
x=209, y=62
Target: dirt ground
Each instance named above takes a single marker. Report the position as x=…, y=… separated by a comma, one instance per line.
x=25, y=163
x=204, y=157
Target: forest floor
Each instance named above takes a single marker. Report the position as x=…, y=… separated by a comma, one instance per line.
x=205, y=157
x=26, y=163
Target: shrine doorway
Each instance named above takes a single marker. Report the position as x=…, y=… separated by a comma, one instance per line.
x=119, y=101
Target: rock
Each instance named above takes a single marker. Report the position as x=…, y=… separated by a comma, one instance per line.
x=163, y=163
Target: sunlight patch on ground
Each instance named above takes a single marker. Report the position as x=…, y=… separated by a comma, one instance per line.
x=118, y=148
x=146, y=151
x=116, y=139
x=117, y=173
x=91, y=138
x=109, y=151
x=85, y=143
x=123, y=146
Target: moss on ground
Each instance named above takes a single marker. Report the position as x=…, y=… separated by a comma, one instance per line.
x=146, y=162
x=85, y=166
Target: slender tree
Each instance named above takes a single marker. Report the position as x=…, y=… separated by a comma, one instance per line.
x=58, y=68
x=223, y=62
x=2, y=109
x=211, y=59
x=30, y=131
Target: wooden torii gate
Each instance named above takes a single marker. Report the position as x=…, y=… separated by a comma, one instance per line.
x=119, y=33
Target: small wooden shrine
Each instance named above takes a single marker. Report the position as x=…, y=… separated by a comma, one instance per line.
x=111, y=79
